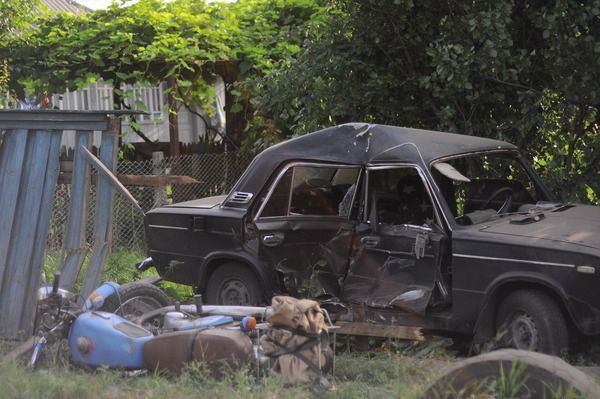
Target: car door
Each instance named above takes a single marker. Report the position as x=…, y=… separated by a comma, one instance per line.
x=305, y=227
x=396, y=258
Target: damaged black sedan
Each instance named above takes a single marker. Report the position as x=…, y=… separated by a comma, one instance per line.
x=452, y=233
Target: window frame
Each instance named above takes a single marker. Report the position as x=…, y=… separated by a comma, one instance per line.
x=438, y=218
x=283, y=171
x=537, y=181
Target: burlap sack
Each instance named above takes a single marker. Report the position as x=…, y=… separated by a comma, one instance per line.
x=298, y=314
x=294, y=339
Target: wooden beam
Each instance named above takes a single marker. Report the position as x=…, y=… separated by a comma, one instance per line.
x=379, y=330
x=139, y=180
x=155, y=180
x=107, y=175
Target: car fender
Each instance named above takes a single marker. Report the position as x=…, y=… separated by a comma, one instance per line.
x=486, y=318
x=219, y=257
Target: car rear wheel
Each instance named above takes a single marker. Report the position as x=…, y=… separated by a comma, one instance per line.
x=233, y=284
x=531, y=320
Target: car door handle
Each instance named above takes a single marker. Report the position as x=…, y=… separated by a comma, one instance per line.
x=272, y=240
x=370, y=241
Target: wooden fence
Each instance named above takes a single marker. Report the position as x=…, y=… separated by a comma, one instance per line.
x=29, y=169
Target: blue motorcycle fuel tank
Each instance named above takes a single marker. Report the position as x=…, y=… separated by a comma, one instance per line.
x=106, y=339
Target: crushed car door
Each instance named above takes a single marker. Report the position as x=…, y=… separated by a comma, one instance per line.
x=396, y=259
x=305, y=227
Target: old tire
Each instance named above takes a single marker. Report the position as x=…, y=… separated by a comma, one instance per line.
x=531, y=320
x=135, y=299
x=233, y=284
x=516, y=374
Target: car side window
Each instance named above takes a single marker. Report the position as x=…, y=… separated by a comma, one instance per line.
x=313, y=190
x=279, y=200
x=398, y=196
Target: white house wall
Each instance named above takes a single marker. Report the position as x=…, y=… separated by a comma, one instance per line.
x=155, y=125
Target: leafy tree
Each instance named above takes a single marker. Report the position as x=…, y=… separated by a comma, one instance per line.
x=186, y=43
x=524, y=71
x=14, y=16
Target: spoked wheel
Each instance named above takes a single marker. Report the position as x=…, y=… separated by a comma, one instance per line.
x=531, y=320
x=234, y=292
x=233, y=284
x=523, y=332
x=135, y=299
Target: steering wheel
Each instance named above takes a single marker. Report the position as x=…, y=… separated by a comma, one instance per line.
x=507, y=202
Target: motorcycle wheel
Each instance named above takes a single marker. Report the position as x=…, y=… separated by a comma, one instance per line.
x=135, y=299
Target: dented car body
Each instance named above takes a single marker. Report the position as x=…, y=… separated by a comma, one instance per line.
x=452, y=233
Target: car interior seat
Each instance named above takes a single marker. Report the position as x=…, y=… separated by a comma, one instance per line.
x=415, y=204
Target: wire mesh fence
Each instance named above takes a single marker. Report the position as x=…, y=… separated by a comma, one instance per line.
x=215, y=174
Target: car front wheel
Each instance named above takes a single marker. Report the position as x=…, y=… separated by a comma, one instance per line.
x=233, y=284
x=531, y=320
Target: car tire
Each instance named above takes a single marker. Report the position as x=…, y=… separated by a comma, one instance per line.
x=526, y=374
x=135, y=299
x=531, y=320
x=233, y=284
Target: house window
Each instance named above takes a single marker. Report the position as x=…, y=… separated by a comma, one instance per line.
x=321, y=190
x=149, y=99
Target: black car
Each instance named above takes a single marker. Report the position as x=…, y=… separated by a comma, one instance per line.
x=452, y=233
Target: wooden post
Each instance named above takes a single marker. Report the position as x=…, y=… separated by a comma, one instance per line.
x=104, y=210
x=160, y=197
x=173, y=120
x=174, y=148
x=74, y=246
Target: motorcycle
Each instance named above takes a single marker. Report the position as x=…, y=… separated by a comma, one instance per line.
x=125, y=327
x=102, y=331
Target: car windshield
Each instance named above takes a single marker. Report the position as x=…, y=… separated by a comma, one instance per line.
x=477, y=187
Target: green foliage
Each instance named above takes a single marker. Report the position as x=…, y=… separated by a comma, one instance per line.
x=119, y=268
x=185, y=43
x=526, y=72
x=15, y=15
x=147, y=42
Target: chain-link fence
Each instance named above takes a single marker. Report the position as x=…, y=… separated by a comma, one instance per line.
x=215, y=174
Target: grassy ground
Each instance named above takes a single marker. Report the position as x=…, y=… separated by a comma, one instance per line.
x=391, y=370
x=403, y=370
x=374, y=375
x=119, y=268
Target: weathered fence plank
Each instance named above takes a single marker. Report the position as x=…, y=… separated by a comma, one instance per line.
x=74, y=248
x=43, y=222
x=29, y=168
x=15, y=287
x=12, y=156
x=104, y=207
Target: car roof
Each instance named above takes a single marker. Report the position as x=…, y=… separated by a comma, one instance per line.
x=363, y=144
